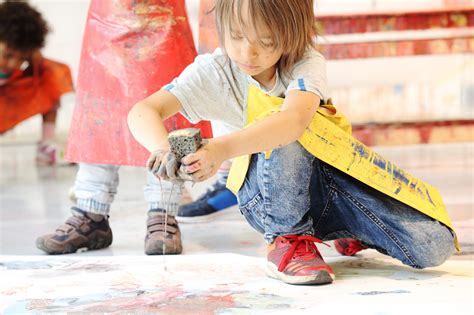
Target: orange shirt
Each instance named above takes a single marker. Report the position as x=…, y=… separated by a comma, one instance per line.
x=34, y=91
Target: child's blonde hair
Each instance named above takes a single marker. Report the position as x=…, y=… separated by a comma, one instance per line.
x=291, y=24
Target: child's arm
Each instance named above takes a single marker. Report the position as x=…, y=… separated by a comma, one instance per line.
x=277, y=130
x=145, y=120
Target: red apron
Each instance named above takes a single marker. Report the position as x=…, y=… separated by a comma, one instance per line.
x=130, y=50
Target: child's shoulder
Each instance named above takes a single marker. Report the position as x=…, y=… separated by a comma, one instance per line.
x=312, y=55
x=216, y=57
x=216, y=61
x=311, y=60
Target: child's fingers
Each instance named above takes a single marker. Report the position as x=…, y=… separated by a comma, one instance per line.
x=154, y=161
x=155, y=165
x=200, y=176
x=172, y=168
x=150, y=162
x=162, y=171
x=190, y=169
x=190, y=159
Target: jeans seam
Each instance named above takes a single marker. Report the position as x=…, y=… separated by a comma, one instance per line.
x=252, y=202
x=326, y=209
x=266, y=204
x=382, y=226
x=248, y=213
x=328, y=174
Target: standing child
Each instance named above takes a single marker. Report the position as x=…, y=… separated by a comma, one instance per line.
x=270, y=79
x=130, y=49
x=29, y=84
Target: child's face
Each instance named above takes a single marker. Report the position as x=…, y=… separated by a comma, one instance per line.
x=254, y=52
x=10, y=59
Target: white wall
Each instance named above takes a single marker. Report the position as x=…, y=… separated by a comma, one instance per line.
x=349, y=79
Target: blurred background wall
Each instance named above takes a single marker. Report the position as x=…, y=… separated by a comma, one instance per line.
x=401, y=70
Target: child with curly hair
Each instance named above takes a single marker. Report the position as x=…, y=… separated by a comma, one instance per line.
x=29, y=83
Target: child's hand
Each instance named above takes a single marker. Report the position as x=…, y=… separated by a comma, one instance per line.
x=154, y=161
x=163, y=164
x=204, y=163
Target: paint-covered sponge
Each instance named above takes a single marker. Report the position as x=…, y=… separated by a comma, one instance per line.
x=184, y=142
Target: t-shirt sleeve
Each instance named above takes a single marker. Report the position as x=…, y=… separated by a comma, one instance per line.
x=201, y=88
x=309, y=74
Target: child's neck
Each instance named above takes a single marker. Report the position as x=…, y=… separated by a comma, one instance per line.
x=267, y=78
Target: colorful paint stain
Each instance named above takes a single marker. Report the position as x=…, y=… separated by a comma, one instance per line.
x=162, y=300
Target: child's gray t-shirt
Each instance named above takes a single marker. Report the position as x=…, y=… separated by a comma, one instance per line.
x=214, y=88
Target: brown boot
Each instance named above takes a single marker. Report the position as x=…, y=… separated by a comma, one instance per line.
x=79, y=231
x=156, y=237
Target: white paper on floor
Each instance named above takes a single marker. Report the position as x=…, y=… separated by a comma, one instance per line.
x=224, y=284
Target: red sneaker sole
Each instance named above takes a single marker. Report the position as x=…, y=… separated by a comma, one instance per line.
x=322, y=277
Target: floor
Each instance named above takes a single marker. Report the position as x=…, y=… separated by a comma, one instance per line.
x=222, y=268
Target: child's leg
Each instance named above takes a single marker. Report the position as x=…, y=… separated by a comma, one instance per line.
x=275, y=198
x=47, y=151
x=48, y=126
x=88, y=227
x=96, y=186
x=345, y=207
x=162, y=197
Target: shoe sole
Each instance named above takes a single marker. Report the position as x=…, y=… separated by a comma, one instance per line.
x=69, y=248
x=207, y=217
x=322, y=277
x=158, y=250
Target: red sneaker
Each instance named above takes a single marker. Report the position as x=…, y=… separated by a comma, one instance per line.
x=348, y=246
x=295, y=259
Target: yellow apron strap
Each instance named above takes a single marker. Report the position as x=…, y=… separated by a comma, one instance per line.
x=328, y=138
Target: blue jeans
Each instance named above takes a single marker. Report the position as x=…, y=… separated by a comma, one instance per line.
x=96, y=186
x=293, y=192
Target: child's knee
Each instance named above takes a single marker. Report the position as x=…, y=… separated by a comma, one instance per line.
x=436, y=250
x=291, y=157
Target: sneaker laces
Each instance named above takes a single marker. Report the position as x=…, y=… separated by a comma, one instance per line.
x=301, y=245
x=352, y=246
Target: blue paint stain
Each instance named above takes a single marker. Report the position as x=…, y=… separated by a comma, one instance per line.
x=382, y=292
x=399, y=174
x=429, y=197
x=397, y=190
x=24, y=265
x=360, y=150
x=413, y=185
x=380, y=162
x=425, y=194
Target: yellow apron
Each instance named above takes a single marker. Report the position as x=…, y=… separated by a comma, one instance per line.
x=328, y=137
